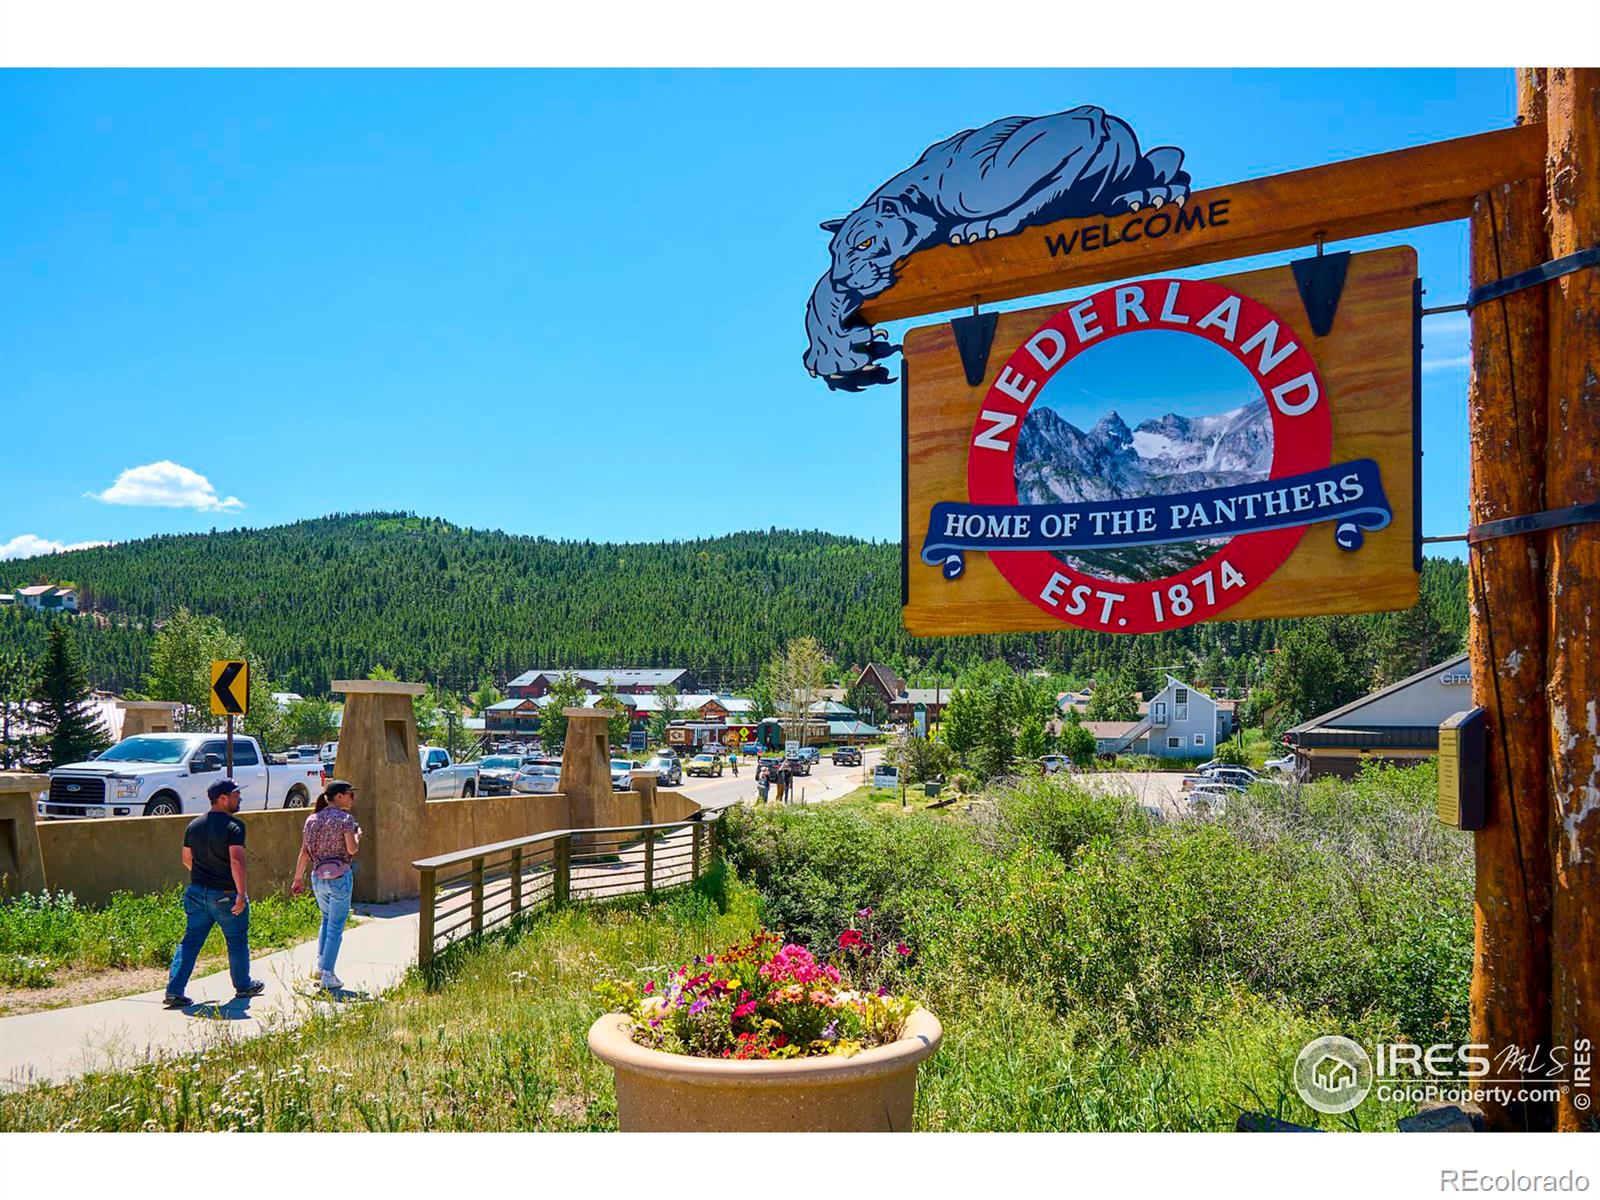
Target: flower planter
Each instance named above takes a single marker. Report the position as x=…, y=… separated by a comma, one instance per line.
x=871, y=1091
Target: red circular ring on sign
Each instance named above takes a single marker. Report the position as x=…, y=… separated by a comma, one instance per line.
x=1301, y=441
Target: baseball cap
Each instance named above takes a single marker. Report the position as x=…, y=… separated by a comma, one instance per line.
x=220, y=788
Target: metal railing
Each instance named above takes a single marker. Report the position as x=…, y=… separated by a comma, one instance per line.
x=471, y=891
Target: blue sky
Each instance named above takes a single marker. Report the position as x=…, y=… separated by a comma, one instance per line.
x=1146, y=374
x=563, y=303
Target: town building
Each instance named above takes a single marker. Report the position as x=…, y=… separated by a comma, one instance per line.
x=1396, y=724
x=627, y=681
x=1179, y=721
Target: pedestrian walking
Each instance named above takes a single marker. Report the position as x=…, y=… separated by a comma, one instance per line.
x=328, y=850
x=763, y=782
x=218, y=894
x=785, y=779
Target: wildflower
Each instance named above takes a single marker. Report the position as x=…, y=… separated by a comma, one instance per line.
x=902, y=949
x=864, y=913
x=849, y=939
x=744, y=1010
x=649, y=986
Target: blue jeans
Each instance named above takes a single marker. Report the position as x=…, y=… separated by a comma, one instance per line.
x=205, y=907
x=333, y=898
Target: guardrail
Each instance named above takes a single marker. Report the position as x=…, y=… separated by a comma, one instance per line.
x=470, y=891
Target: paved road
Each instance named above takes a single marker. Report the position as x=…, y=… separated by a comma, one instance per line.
x=826, y=782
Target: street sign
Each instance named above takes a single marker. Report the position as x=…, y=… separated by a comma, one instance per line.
x=230, y=687
x=1167, y=452
x=637, y=739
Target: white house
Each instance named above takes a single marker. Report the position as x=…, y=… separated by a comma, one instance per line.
x=46, y=597
x=1179, y=721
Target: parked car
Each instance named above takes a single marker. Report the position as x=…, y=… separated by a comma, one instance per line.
x=809, y=753
x=885, y=776
x=847, y=756
x=163, y=774
x=621, y=774
x=798, y=765
x=1241, y=777
x=496, y=772
x=1053, y=763
x=1285, y=765
x=443, y=779
x=668, y=769
x=705, y=764
x=330, y=751
x=303, y=754
x=537, y=777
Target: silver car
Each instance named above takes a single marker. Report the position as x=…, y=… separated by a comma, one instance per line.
x=537, y=779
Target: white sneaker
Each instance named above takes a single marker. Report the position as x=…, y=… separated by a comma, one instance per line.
x=331, y=982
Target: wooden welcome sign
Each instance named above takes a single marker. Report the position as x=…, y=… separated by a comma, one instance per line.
x=1166, y=452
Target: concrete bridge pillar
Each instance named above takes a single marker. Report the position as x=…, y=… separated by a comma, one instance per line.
x=378, y=756
x=586, y=766
x=21, y=864
x=148, y=716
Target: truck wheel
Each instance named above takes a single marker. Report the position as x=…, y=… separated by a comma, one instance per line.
x=468, y=790
x=297, y=797
x=163, y=804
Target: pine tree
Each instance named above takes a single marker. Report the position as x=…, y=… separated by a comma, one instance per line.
x=69, y=731
x=16, y=685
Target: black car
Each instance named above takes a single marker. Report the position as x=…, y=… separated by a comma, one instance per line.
x=847, y=756
x=798, y=765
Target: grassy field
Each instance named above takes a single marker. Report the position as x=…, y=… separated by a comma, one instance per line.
x=1093, y=971
x=54, y=951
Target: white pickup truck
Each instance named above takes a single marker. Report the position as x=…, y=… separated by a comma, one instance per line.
x=443, y=779
x=162, y=774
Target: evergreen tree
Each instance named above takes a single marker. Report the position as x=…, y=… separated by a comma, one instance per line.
x=666, y=712
x=69, y=731
x=618, y=726
x=1412, y=641
x=16, y=686
x=1113, y=699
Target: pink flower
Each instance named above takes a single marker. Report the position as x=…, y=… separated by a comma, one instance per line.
x=849, y=939
x=902, y=948
x=649, y=987
x=864, y=913
x=744, y=1010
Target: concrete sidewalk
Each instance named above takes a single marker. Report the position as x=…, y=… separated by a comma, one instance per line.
x=63, y=1043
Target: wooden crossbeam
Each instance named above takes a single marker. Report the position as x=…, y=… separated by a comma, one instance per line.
x=1355, y=198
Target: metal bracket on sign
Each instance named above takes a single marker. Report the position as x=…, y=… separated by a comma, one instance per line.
x=1321, y=283
x=974, y=335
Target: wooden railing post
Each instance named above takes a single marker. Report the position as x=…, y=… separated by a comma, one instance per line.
x=477, y=894
x=425, y=920
x=650, y=862
x=562, y=889
x=516, y=881
x=694, y=853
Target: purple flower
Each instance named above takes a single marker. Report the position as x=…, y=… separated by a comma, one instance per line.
x=831, y=1032
x=698, y=1007
x=864, y=913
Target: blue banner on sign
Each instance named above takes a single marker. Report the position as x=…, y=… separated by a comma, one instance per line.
x=1349, y=494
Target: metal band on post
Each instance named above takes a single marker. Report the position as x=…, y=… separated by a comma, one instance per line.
x=1555, y=518
x=1533, y=276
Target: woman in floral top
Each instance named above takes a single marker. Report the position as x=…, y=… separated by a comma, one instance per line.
x=328, y=850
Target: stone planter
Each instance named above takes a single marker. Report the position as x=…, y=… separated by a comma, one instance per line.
x=871, y=1091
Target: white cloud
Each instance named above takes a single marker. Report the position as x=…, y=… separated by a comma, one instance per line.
x=1446, y=364
x=30, y=545
x=165, y=484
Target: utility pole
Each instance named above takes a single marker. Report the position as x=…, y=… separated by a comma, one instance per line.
x=1573, y=665
x=1506, y=641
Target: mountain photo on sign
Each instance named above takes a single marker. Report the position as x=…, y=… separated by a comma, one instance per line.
x=1152, y=414
x=978, y=184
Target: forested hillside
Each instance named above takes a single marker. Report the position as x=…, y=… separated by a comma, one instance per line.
x=334, y=597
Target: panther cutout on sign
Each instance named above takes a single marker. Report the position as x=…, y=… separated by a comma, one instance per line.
x=979, y=184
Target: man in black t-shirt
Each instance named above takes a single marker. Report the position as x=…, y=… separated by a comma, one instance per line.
x=213, y=853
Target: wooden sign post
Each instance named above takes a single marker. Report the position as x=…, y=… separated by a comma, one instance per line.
x=1533, y=200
